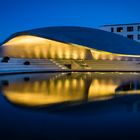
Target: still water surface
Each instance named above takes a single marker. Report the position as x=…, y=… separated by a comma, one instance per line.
x=69, y=105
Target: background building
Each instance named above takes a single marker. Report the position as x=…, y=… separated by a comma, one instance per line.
x=131, y=31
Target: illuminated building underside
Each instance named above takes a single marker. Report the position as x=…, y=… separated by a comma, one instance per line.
x=27, y=46
x=70, y=43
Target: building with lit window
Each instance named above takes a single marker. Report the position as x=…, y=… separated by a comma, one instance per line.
x=68, y=49
x=131, y=31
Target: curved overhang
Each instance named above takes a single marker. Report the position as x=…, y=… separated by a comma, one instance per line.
x=28, y=46
x=70, y=43
x=92, y=38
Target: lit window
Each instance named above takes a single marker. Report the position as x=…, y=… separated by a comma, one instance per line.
x=138, y=28
x=130, y=37
x=130, y=29
x=119, y=29
x=112, y=29
x=139, y=37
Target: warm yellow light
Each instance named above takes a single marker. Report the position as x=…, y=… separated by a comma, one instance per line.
x=67, y=88
x=28, y=46
x=96, y=56
x=36, y=47
x=111, y=57
x=38, y=93
x=101, y=89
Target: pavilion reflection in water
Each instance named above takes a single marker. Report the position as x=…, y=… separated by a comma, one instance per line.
x=35, y=90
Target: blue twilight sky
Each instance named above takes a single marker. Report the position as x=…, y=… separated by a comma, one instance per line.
x=18, y=15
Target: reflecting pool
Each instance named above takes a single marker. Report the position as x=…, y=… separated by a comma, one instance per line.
x=45, y=103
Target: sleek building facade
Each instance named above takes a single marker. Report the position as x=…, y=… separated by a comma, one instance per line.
x=72, y=48
x=131, y=31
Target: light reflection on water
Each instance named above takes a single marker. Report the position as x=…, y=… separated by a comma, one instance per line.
x=43, y=90
x=69, y=106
